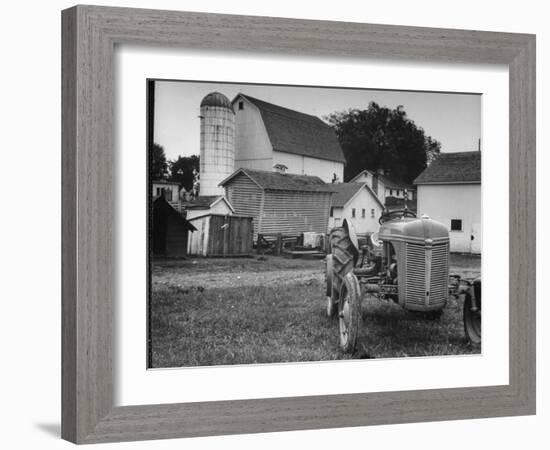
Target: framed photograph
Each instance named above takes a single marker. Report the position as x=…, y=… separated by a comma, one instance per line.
x=265, y=229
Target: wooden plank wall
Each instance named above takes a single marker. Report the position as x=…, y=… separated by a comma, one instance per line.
x=230, y=236
x=292, y=213
x=246, y=198
x=219, y=235
x=198, y=240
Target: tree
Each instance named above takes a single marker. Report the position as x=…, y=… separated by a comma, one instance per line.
x=382, y=138
x=158, y=164
x=181, y=170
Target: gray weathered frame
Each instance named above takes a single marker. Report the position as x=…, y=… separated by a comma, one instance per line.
x=89, y=36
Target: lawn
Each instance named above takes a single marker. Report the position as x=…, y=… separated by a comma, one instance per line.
x=269, y=309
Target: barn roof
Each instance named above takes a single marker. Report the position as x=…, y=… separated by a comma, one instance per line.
x=298, y=133
x=162, y=207
x=346, y=191
x=449, y=168
x=276, y=181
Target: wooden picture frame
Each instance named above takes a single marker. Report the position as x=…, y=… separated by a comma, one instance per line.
x=89, y=37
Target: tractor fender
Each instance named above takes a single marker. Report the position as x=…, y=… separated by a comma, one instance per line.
x=348, y=226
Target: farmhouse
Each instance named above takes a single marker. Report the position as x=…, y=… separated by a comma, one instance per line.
x=168, y=189
x=170, y=230
x=268, y=135
x=449, y=191
x=357, y=203
x=279, y=202
x=385, y=185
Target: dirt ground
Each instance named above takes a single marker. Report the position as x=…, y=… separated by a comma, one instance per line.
x=264, y=271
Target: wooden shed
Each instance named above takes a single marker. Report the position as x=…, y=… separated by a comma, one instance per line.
x=220, y=235
x=280, y=203
x=170, y=230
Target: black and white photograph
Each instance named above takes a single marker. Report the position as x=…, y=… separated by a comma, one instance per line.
x=303, y=224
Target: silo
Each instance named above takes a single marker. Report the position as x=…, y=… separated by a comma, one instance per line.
x=217, y=160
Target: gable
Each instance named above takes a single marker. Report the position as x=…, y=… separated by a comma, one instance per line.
x=294, y=132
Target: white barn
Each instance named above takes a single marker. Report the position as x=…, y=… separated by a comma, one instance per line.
x=268, y=135
x=357, y=203
x=449, y=191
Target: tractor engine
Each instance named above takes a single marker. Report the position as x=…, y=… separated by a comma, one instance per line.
x=411, y=255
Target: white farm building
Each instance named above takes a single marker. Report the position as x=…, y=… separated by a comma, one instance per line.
x=269, y=136
x=449, y=191
x=357, y=203
x=385, y=185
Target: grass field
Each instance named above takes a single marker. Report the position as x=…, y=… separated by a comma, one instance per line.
x=271, y=309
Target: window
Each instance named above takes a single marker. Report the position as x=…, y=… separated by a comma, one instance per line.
x=391, y=192
x=332, y=212
x=241, y=105
x=363, y=213
x=456, y=224
x=372, y=213
x=353, y=213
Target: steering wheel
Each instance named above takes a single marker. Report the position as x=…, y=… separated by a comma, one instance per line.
x=394, y=214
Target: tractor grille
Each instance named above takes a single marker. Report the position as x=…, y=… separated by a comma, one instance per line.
x=415, y=287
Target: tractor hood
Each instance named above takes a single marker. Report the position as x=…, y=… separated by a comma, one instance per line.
x=422, y=230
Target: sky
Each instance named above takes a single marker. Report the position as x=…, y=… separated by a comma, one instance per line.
x=454, y=119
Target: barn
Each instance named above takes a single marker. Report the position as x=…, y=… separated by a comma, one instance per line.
x=455, y=176
x=170, y=230
x=269, y=135
x=282, y=203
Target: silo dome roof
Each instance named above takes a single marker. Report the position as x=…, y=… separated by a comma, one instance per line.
x=216, y=99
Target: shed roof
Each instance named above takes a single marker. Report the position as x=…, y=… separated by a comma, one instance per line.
x=346, y=191
x=298, y=133
x=162, y=207
x=276, y=181
x=206, y=202
x=450, y=168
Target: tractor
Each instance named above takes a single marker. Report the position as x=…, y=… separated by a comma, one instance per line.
x=407, y=262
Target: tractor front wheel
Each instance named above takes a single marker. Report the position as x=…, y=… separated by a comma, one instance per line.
x=472, y=319
x=349, y=312
x=344, y=255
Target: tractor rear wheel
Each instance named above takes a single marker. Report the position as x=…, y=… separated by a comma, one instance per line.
x=344, y=255
x=331, y=294
x=472, y=319
x=349, y=313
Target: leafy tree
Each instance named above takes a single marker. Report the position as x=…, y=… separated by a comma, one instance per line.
x=181, y=170
x=158, y=164
x=382, y=138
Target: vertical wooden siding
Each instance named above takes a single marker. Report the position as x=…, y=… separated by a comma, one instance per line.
x=176, y=238
x=198, y=240
x=292, y=213
x=246, y=198
x=219, y=235
x=230, y=235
